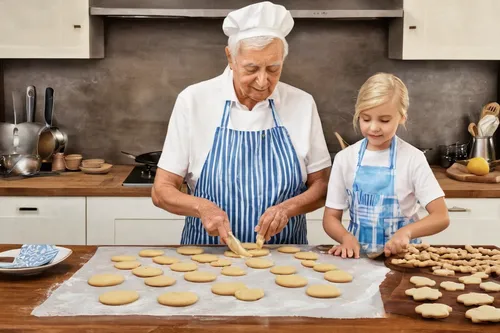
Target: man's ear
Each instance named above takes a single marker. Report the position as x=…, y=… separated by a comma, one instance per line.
x=229, y=57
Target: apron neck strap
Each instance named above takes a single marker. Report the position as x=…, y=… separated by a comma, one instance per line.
x=227, y=109
x=392, y=152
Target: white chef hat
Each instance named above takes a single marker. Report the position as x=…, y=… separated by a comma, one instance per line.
x=259, y=19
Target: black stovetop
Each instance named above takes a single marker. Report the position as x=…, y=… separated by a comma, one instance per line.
x=140, y=176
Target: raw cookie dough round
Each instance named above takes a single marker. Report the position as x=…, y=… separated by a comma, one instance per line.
x=259, y=252
x=249, y=295
x=198, y=276
x=151, y=253
x=160, y=281
x=178, y=298
x=231, y=254
x=308, y=263
x=204, y=258
x=227, y=288
x=184, y=266
x=291, y=281
x=338, y=276
x=106, y=280
x=306, y=255
x=259, y=263
x=190, y=250
x=322, y=268
x=323, y=291
x=288, y=249
x=283, y=270
x=233, y=271
x=119, y=297
x=249, y=246
x=221, y=263
x=127, y=264
x=147, y=271
x=165, y=260
x=122, y=258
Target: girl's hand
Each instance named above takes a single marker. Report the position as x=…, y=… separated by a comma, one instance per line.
x=398, y=243
x=348, y=249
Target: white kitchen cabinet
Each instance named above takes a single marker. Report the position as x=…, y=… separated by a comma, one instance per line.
x=446, y=30
x=49, y=29
x=130, y=221
x=316, y=235
x=47, y=220
x=472, y=221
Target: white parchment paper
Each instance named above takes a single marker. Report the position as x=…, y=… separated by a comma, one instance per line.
x=360, y=298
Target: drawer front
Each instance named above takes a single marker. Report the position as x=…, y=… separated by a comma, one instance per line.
x=484, y=208
x=148, y=232
x=112, y=220
x=54, y=220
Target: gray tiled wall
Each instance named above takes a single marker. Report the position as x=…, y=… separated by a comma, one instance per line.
x=123, y=102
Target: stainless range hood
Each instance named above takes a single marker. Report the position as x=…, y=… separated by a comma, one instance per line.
x=319, y=9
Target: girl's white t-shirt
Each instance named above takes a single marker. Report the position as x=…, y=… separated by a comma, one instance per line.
x=415, y=183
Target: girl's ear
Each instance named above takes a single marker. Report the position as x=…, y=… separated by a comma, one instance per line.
x=402, y=121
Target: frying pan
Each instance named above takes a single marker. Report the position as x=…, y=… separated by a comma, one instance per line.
x=150, y=159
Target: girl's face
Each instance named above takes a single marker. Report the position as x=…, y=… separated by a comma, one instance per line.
x=379, y=125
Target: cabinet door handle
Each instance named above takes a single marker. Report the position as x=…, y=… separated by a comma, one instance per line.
x=28, y=209
x=455, y=209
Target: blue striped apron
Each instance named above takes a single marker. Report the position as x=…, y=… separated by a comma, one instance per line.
x=373, y=204
x=245, y=173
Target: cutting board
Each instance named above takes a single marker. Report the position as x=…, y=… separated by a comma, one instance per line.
x=459, y=172
x=398, y=281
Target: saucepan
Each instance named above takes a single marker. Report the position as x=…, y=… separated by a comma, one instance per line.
x=53, y=140
x=150, y=159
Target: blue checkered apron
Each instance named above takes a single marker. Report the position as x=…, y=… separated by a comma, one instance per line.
x=245, y=173
x=373, y=204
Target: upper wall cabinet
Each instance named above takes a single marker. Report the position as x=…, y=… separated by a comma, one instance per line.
x=49, y=29
x=446, y=30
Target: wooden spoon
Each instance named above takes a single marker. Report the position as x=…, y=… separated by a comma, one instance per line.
x=492, y=109
x=342, y=142
x=473, y=129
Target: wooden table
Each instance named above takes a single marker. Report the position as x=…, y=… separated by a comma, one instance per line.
x=20, y=295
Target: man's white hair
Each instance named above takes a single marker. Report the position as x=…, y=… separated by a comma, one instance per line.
x=255, y=43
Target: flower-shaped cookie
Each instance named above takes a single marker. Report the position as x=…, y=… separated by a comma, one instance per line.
x=421, y=281
x=433, y=310
x=475, y=299
x=420, y=294
x=483, y=313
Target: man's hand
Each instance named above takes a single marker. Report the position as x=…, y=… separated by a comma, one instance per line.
x=215, y=221
x=272, y=222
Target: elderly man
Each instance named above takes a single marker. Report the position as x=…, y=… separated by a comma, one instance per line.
x=250, y=148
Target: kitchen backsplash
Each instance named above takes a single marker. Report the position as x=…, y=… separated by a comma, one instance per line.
x=124, y=101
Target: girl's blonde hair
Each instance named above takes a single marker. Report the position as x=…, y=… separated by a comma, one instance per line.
x=380, y=89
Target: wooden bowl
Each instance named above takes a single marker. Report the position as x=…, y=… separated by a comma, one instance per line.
x=93, y=163
x=72, y=161
x=96, y=171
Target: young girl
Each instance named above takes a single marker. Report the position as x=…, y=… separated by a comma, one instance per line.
x=382, y=180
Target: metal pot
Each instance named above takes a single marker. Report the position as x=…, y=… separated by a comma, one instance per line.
x=21, y=165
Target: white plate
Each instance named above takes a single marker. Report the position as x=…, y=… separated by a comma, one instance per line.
x=61, y=256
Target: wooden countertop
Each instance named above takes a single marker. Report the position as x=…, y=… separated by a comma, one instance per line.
x=75, y=184
x=80, y=184
x=21, y=295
